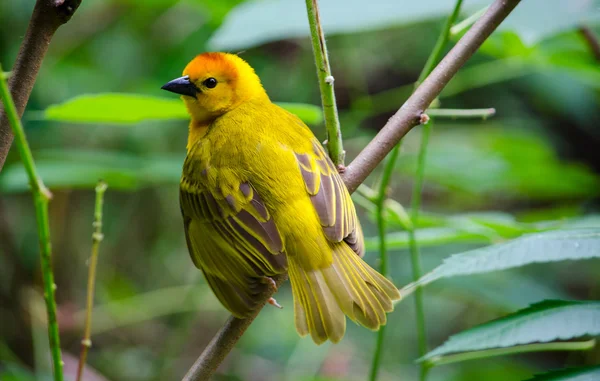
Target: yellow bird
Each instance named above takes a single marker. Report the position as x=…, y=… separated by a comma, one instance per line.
x=259, y=197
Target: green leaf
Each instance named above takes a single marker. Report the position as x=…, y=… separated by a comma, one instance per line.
x=591, y=373
x=122, y=108
x=550, y=246
x=116, y=108
x=540, y=323
x=260, y=21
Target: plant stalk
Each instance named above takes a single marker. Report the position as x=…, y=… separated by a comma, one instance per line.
x=415, y=257
x=330, y=112
x=466, y=23
x=41, y=197
x=383, y=256
x=475, y=113
x=97, y=237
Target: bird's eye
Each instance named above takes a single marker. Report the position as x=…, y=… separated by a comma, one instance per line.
x=210, y=82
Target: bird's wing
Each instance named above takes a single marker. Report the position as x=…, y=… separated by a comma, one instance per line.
x=330, y=198
x=230, y=235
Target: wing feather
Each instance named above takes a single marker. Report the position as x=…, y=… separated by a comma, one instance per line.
x=330, y=198
x=232, y=239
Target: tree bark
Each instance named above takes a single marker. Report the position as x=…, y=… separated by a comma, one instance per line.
x=47, y=17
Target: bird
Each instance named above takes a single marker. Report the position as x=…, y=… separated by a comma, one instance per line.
x=260, y=197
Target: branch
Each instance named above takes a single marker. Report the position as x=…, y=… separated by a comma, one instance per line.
x=332, y=123
x=41, y=197
x=406, y=118
x=47, y=16
x=474, y=113
x=410, y=113
x=224, y=341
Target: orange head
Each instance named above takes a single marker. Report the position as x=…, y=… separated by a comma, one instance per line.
x=215, y=83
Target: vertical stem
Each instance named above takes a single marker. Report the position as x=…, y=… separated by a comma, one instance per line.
x=435, y=54
x=332, y=123
x=415, y=205
x=41, y=197
x=415, y=257
x=381, y=227
x=97, y=237
x=466, y=23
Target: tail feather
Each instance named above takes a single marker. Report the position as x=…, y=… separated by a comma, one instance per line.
x=348, y=287
x=316, y=309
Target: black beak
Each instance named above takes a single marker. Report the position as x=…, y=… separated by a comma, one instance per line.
x=182, y=85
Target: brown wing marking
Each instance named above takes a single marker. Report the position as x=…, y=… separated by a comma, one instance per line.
x=234, y=241
x=330, y=198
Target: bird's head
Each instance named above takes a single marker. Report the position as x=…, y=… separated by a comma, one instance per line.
x=214, y=84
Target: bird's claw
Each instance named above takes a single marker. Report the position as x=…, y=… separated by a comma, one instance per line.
x=273, y=302
x=269, y=281
x=341, y=168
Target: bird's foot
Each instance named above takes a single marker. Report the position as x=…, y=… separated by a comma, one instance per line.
x=270, y=282
x=273, y=302
x=341, y=168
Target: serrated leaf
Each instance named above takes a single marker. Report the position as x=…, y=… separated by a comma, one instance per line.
x=123, y=108
x=550, y=246
x=591, y=373
x=540, y=323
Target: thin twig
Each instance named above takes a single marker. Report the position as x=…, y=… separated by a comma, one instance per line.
x=410, y=113
x=407, y=117
x=47, y=16
x=592, y=40
x=97, y=237
x=440, y=44
x=41, y=197
x=332, y=122
x=415, y=257
x=475, y=113
x=461, y=26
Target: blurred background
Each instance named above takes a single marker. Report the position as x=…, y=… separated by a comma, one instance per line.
x=536, y=161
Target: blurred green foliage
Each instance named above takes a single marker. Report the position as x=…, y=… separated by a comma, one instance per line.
x=532, y=168
x=121, y=108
